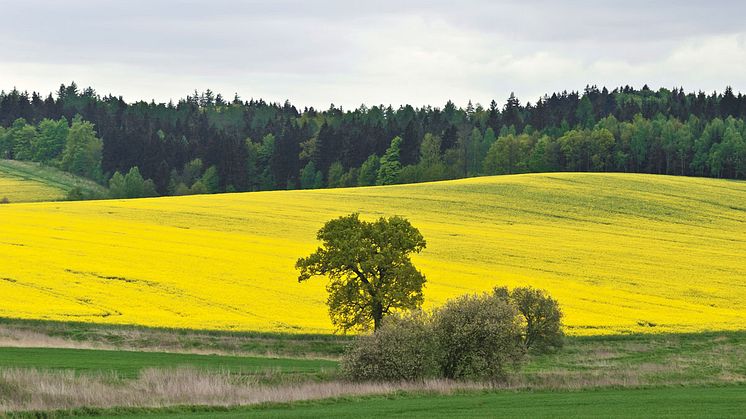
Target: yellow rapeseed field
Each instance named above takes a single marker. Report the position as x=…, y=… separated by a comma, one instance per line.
x=622, y=253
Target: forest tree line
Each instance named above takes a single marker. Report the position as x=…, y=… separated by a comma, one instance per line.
x=205, y=143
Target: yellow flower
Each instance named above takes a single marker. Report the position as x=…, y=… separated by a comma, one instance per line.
x=621, y=253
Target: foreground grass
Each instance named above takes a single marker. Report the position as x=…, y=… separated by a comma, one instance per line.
x=129, y=364
x=649, y=359
x=57, y=378
x=640, y=359
x=31, y=182
x=653, y=359
x=674, y=402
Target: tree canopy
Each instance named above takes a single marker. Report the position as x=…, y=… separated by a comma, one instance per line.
x=256, y=145
x=369, y=268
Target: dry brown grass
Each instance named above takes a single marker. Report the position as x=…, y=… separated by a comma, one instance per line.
x=25, y=389
x=30, y=389
x=20, y=338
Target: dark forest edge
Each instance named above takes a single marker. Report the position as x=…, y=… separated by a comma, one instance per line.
x=206, y=144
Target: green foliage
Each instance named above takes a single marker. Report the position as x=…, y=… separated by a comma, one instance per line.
x=369, y=171
x=22, y=135
x=508, y=154
x=210, y=180
x=585, y=114
x=470, y=337
x=430, y=154
x=134, y=184
x=6, y=144
x=182, y=189
x=265, y=158
x=587, y=150
x=478, y=337
x=540, y=317
x=50, y=140
x=403, y=349
x=336, y=172
x=252, y=165
x=117, y=188
x=431, y=165
x=388, y=172
x=473, y=156
x=370, y=272
x=192, y=181
x=131, y=185
x=664, y=131
x=75, y=194
x=191, y=172
x=310, y=178
x=198, y=188
x=350, y=178
x=82, y=153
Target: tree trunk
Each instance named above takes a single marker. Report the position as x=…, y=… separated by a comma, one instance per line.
x=377, y=315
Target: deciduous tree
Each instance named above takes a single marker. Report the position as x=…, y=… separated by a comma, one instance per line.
x=369, y=268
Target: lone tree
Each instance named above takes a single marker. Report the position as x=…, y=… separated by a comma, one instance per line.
x=369, y=269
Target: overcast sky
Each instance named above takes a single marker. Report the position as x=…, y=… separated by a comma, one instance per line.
x=381, y=52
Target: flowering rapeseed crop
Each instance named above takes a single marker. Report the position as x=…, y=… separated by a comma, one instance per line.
x=622, y=253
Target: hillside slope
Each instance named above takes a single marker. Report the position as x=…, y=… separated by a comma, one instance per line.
x=622, y=253
x=32, y=182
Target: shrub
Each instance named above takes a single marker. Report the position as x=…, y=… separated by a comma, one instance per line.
x=541, y=318
x=5, y=200
x=198, y=188
x=75, y=194
x=404, y=348
x=478, y=337
x=471, y=337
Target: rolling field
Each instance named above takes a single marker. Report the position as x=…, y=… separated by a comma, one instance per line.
x=17, y=188
x=622, y=253
x=32, y=182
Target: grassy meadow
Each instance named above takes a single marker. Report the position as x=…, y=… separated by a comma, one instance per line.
x=147, y=378
x=692, y=402
x=16, y=186
x=622, y=252
x=32, y=182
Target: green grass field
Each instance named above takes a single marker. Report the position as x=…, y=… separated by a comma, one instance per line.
x=646, y=359
x=128, y=364
x=33, y=182
x=676, y=402
x=589, y=373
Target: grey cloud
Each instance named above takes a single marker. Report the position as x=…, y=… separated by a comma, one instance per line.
x=420, y=52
